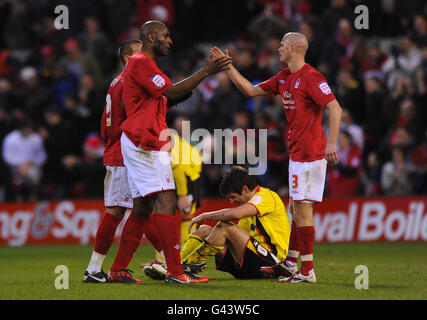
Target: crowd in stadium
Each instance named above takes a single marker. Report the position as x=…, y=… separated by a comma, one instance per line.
x=53, y=85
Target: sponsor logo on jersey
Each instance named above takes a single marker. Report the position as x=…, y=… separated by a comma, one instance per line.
x=158, y=81
x=256, y=200
x=288, y=102
x=324, y=88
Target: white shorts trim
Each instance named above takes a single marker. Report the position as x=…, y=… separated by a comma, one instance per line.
x=116, y=188
x=149, y=171
x=307, y=180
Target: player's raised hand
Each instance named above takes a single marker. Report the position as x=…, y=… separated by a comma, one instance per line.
x=331, y=154
x=217, y=53
x=217, y=64
x=197, y=221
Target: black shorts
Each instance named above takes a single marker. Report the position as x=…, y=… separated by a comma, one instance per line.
x=248, y=268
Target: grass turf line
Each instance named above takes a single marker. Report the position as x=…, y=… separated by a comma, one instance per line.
x=396, y=271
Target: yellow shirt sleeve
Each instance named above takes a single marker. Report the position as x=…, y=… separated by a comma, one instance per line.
x=180, y=180
x=263, y=202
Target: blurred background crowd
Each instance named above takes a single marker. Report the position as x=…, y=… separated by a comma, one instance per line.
x=53, y=85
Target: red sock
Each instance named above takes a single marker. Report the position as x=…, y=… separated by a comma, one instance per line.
x=306, y=242
x=293, y=244
x=152, y=234
x=105, y=234
x=167, y=231
x=129, y=242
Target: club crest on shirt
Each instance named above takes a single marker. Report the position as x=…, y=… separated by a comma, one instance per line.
x=324, y=88
x=158, y=81
x=297, y=83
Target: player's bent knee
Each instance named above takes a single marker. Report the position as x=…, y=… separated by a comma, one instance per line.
x=203, y=231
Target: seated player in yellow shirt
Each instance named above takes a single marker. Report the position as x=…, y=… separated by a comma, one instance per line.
x=186, y=162
x=260, y=238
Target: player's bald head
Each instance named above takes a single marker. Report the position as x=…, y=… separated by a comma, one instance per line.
x=298, y=40
x=151, y=27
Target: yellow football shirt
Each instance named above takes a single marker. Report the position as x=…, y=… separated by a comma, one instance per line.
x=270, y=226
x=186, y=163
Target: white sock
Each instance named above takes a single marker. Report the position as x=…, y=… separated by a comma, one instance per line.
x=95, y=263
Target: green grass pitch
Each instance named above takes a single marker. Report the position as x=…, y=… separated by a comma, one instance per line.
x=396, y=271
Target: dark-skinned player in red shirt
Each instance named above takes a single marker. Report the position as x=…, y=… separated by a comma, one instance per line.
x=304, y=93
x=145, y=147
x=117, y=195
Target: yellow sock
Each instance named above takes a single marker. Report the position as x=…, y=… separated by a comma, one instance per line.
x=202, y=253
x=193, y=241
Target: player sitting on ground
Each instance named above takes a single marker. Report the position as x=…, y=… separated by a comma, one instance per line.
x=261, y=236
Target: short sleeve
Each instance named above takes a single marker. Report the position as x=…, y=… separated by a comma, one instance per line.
x=148, y=76
x=262, y=203
x=318, y=89
x=271, y=86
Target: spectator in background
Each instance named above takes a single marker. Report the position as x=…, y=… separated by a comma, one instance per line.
x=223, y=103
x=344, y=177
x=350, y=94
x=58, y=136
x=267, y=59
x=31, y=97
x=373, y=62
x=420, y=28
x=338, y=9
x=371, y=176
x=24, y=154
x=339, y=48
x=78, y=63
x=418, y=156
x=375, y=125
x=396, y=174
x=293, y=11
x=162, y=10
x=85, y=174
x=410, y=56
x=266, y=25
x=307, y=28
x=355, y=130
x=96, y=44
x=47, y=65
x=403, y=139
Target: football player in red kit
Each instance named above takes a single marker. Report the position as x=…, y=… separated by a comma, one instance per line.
x=304, y=93
x=117, y=195
x=147, y=92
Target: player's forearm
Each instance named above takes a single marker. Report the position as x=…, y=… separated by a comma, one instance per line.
x=243, y=84
x=220, y=215
x=184, y=87
x=335, y=112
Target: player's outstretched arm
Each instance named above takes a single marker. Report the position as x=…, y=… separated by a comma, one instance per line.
x=184, y=87
x=240, y=212
x=335, y=112
x=172, y=102
x=243, y=84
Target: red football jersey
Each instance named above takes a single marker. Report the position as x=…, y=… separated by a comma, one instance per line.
x=304, y=94
x=145, y=106
x=112, y=118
